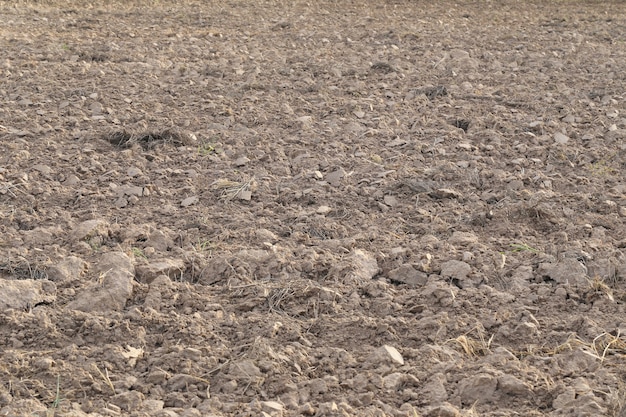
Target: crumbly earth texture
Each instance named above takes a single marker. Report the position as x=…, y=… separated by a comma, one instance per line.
x=329, y=208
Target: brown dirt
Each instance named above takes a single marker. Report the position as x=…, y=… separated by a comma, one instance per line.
x=351, y=208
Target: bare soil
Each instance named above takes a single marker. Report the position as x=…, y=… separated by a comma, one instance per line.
x=331, y=208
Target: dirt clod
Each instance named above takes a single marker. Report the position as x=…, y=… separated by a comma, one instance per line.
x=272, y=208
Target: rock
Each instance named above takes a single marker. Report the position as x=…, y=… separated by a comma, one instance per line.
x=115, y=274
x=70, y=268
x=478, y=388
x=459, y=271
x=89, y=229
x=173, y=268
x=406, y=274
x=24, y=294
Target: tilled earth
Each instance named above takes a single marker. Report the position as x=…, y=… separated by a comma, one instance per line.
x=334, y=208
